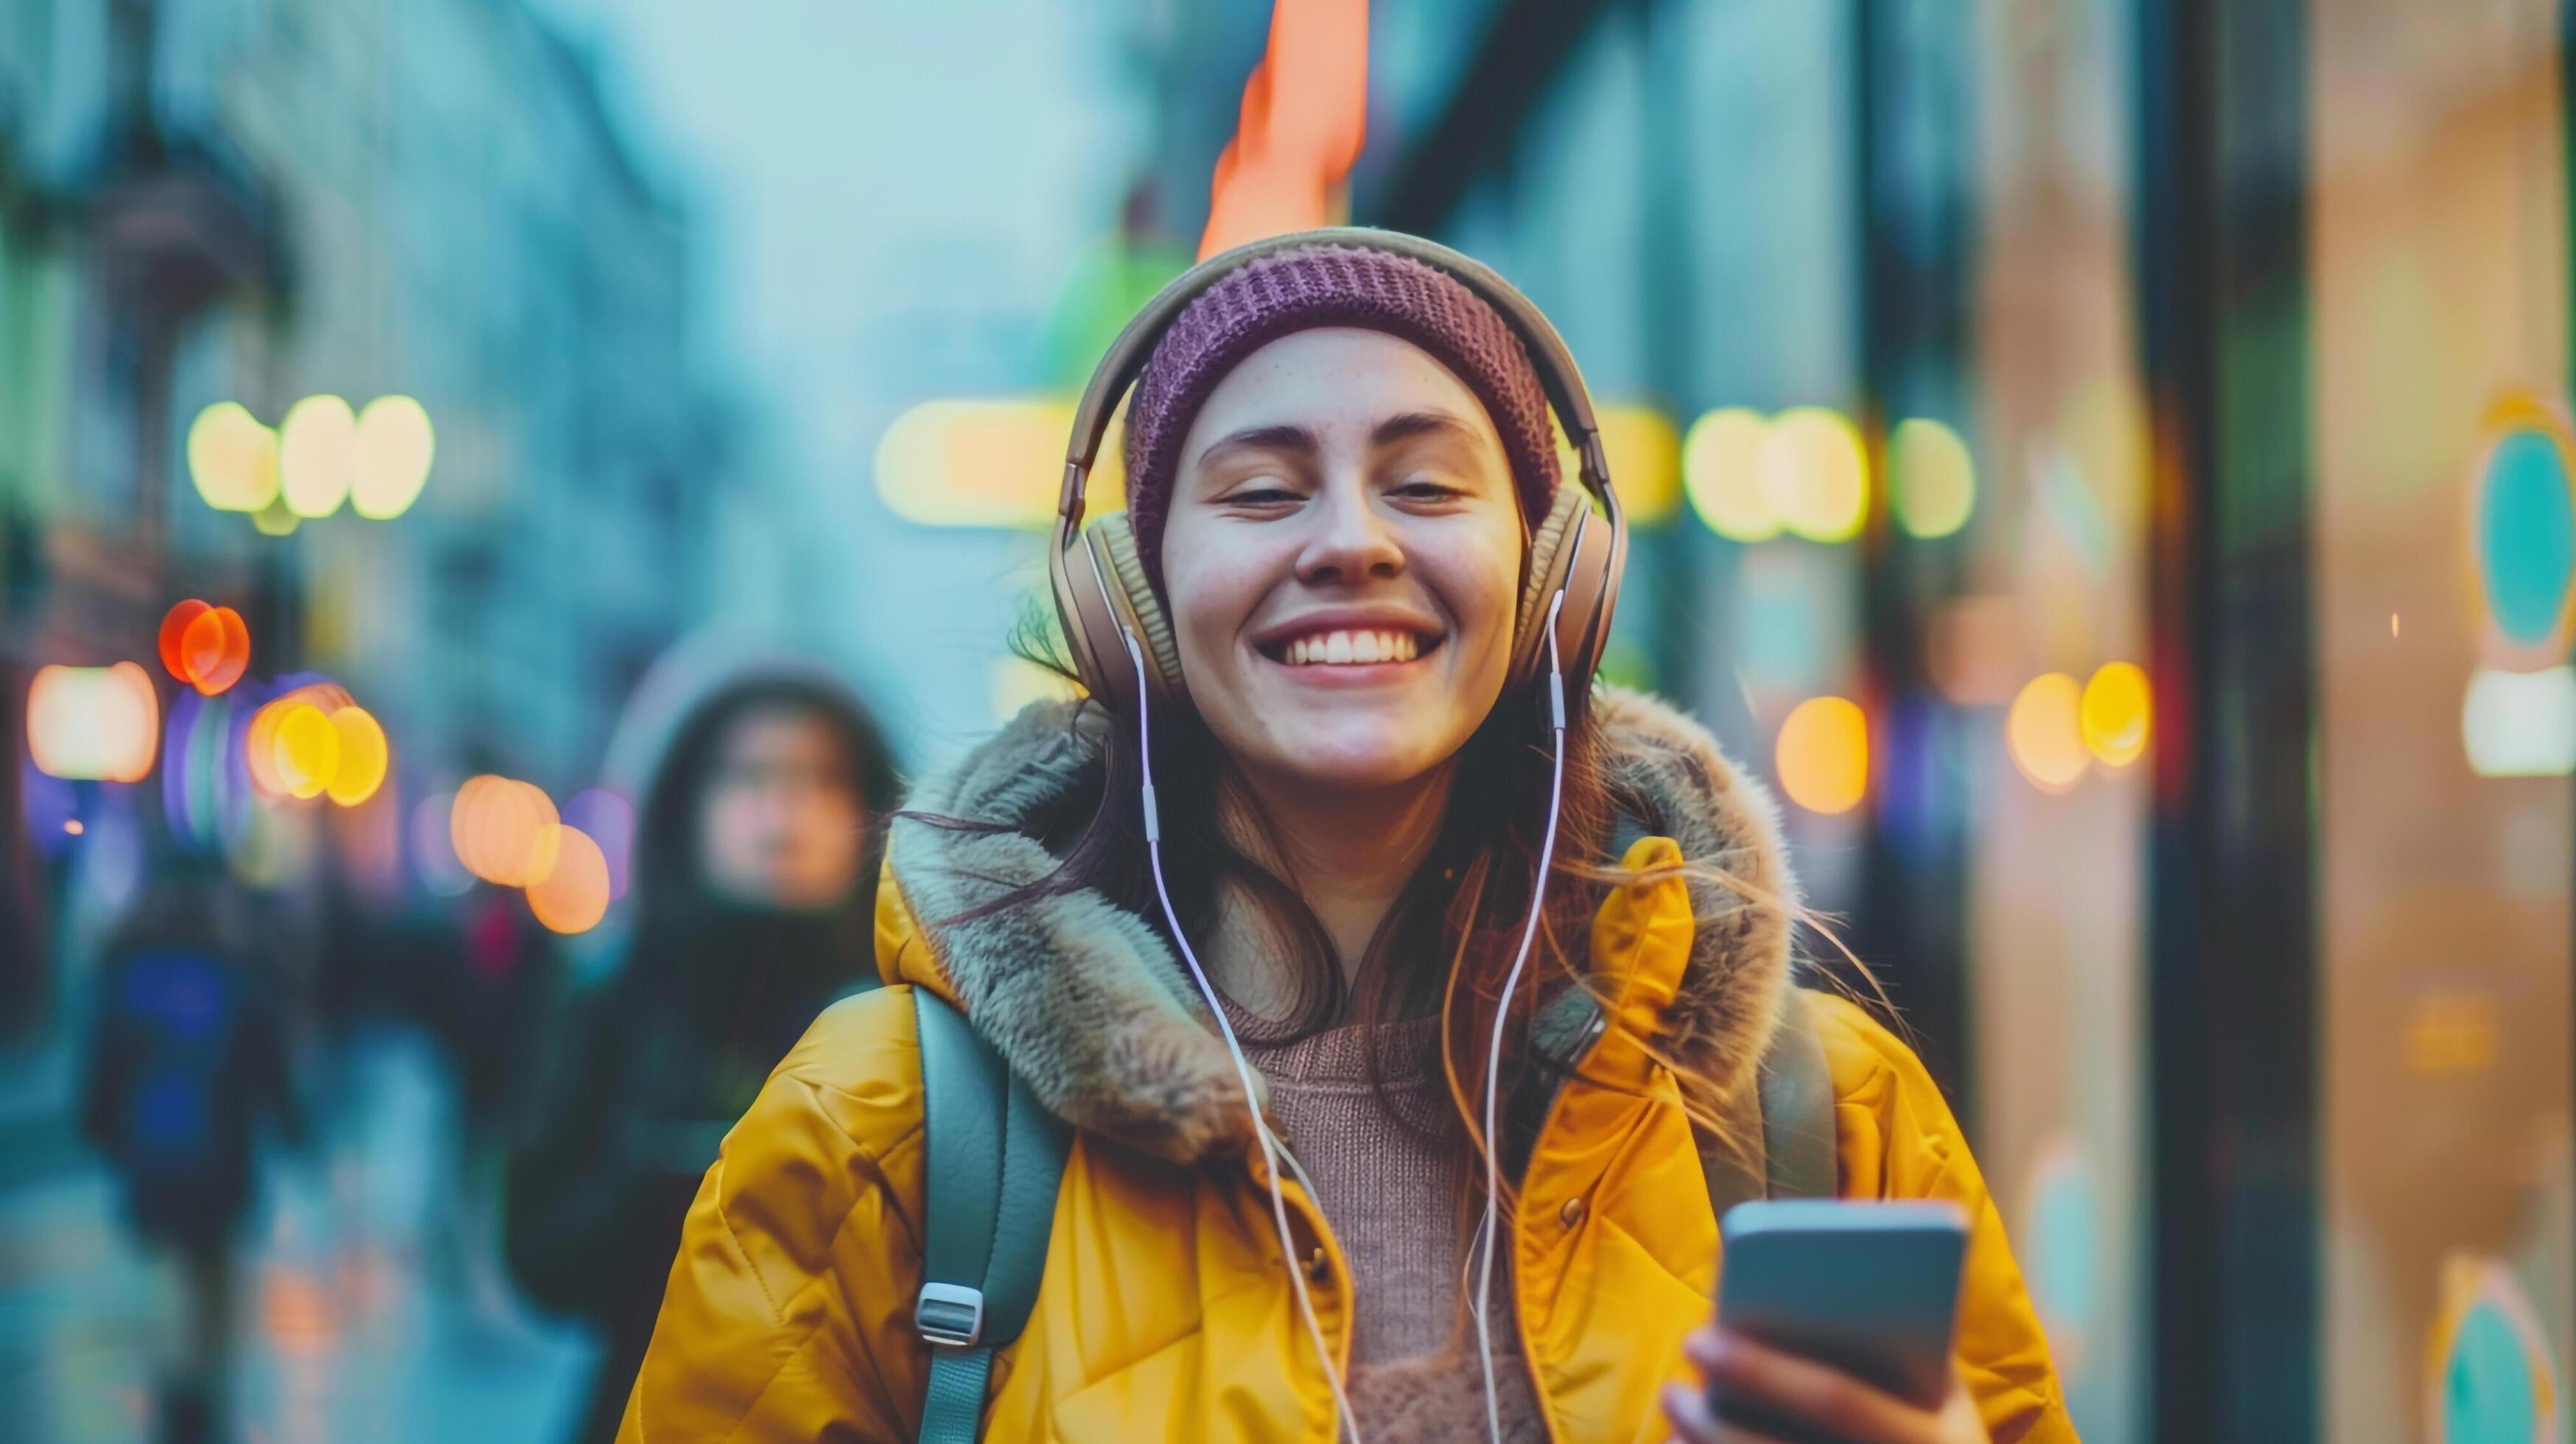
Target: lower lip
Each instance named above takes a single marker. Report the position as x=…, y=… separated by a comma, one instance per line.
x=1350, y=674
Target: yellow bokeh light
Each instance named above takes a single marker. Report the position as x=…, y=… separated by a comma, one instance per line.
x=364, y=757
x=2045, y=734
x=1815, y=474
x=390, y=457
x=996, y=462
x=1644, y=453
x=572, y=896
x=93, y=723
x=1931, y=478
x=2117, y=713
x=1823, y=755
x=1722, y=474
x=316, y=448
x=306, y=748
x=232, y=458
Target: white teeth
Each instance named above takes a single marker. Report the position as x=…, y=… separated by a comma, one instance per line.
x=1351, y=648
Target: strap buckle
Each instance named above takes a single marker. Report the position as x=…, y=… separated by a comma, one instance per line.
x=950, y=1314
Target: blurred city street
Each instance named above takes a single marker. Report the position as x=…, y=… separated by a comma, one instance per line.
x=368, y=1318
x=503, y=501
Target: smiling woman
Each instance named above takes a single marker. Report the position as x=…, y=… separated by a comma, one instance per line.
x=1413, y=1003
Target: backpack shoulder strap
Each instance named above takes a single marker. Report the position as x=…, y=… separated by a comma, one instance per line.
x=994, y=1158
x=1779, y=1136
x=1798, y=1106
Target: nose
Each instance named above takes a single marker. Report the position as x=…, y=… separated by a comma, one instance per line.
x=1352, y=541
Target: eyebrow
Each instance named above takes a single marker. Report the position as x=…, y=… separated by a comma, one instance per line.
x=1296, y=439
x=1410, y=424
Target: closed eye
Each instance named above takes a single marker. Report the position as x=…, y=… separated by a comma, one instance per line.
x=1262, y=496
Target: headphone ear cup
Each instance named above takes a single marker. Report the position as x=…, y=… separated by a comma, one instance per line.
x=1114, y=541
x=1551, y=557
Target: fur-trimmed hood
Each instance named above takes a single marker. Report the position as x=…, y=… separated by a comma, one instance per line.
x=1090, y=1006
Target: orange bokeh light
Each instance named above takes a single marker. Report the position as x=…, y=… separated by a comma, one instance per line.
x=504, y=831
x=206, y=647
x=1823, y=755
x=174, y=626
x=573, y=895
x=2045, y=733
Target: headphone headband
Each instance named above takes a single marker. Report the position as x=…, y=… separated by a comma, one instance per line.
x=1588, y=567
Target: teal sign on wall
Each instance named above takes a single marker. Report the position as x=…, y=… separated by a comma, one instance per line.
x=2526, y=535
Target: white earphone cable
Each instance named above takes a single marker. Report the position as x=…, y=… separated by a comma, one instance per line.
x=1486, y=1227
x=1270, y=1154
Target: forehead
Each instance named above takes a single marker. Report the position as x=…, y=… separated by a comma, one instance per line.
x=766, y=729
x=1333, y=380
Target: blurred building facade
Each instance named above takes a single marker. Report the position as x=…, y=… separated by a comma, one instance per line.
x=260, y=200
x=2209, y=810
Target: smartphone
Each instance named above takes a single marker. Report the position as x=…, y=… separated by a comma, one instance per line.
x=1870, y=1288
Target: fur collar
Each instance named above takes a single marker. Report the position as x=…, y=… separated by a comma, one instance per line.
x=1088, y=1003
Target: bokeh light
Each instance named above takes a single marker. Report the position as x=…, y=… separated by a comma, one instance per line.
x=206, y=647
x=364, y=756
x=990, y=462
x=1644, y=453
x=2117, y=713
x=316, y=453
x=93, y=723
x=572, y=896
x=1823, y=754
x=1815, y=473
x=609, y=820
x=1722, y=474
x=232, y=458
x=2520, y=724
x=276, y=518
x=2526, y=535
x=305, y=748
x=2045, y=733
x=174, y=626
x=1931, y=478
x=390, y=458
x=504, y=830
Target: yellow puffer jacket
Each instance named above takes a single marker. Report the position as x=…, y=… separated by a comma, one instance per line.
x=1164, y=1311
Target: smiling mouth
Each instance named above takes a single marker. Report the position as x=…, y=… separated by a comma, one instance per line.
x=1354, y=647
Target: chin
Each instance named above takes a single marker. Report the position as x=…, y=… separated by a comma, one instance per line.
x=1356, y=763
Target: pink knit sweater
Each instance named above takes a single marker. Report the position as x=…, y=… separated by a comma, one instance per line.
x=1391, y=1197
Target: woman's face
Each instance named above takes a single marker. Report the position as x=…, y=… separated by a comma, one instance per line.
x=1342, y=558
x=781, y=820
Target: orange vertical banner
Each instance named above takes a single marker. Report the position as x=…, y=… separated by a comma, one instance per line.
x=1305, y=114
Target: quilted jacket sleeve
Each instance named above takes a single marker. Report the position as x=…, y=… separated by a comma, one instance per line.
x=1899, y=1140
x=787, y=1313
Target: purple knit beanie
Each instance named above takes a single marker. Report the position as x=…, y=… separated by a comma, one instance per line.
x=1302, y=290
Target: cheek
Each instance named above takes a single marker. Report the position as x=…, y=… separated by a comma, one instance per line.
x=1209, y=596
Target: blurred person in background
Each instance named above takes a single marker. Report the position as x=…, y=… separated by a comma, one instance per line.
x=187, y=1059
x=1341, y=483
x=755, y=856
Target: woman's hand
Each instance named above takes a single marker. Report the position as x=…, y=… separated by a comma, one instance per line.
x=1822, y=1402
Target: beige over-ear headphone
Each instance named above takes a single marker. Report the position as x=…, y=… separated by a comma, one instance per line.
x=1099, y=581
